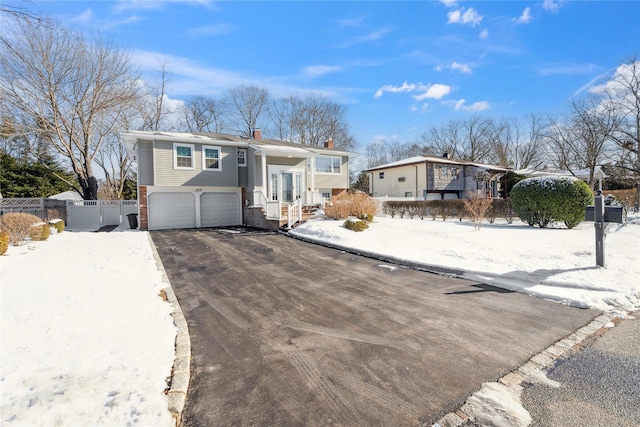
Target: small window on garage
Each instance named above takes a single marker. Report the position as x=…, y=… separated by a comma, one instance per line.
x=242, y=157
x=402, y=179
x=182, y=156
x=211, y=160
x=408, y=194
x=381, y=175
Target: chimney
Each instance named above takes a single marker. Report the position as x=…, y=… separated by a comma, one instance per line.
x=447, y=155
x=257, y=133
x=329, y=143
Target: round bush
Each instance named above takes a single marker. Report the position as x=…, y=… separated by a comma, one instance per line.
x=541, y=201
x=40, y=232
x=355, y=225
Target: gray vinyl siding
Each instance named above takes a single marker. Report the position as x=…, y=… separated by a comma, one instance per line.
x=340, y=180
x=166, y=175
x=145, y=162
x=243, y=176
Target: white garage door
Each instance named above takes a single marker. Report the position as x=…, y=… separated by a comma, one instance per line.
x=171, y=210
x=219, y=209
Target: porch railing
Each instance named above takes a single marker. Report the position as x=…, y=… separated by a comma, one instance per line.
x=294, y=212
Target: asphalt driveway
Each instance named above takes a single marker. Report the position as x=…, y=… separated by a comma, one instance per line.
x=286, y=333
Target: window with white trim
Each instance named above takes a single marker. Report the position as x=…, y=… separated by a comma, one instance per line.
x=274, y=186
x=242, y=157
x=326, y=164
x=211, y=158
x=326, y=194
x=182, y=156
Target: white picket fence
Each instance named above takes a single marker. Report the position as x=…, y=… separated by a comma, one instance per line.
x=83, y=214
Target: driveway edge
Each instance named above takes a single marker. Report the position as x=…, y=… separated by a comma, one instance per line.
x=515, y=379
x=181, y=370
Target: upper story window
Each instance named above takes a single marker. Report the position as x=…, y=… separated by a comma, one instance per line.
x=381, y=175
x=182, y=156
x=327, y=164
x=211, y=158
x=242, y=157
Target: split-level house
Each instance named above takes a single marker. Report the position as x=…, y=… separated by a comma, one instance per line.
x=194, y=180
x=430, y=178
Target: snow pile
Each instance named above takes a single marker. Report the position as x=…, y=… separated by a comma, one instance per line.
x=86, y=339
x=496, y=405
x=553, y=263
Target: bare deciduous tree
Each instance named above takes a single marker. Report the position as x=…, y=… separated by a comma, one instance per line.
x=70, y=91
x=581, y=140
x=205, y=114
x=246, y=104
x=622, y=100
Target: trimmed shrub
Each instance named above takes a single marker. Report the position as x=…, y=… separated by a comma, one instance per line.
x=4, y=242
x=58, y=224
x=477, y=207
x=39, y=232
x=351, y=204
x=355, y=225
x=18, y=226
x=541, y=201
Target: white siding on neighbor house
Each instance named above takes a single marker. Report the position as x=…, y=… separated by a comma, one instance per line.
x=328, y=180
x=145, y=162
x=166, y=175
x=399, y=181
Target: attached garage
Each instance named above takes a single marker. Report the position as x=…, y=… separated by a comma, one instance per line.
x=172, y=210
x=167, y=210
x=220, y=209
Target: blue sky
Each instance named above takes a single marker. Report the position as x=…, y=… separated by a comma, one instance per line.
x=400, y=67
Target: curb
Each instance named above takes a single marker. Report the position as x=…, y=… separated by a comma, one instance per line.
x=181, y=370
x=538, y=363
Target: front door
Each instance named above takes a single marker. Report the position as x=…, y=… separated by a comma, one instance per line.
x=287, y=187
x=285, y=184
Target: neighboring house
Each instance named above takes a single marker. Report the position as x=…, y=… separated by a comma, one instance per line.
x=432, y=178
x=193, y=180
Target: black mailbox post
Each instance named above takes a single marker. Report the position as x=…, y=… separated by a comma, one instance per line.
x=602, y=215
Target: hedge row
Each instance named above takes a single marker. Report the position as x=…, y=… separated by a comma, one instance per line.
x=445, y=209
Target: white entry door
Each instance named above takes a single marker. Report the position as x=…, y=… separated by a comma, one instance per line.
x=285, y=184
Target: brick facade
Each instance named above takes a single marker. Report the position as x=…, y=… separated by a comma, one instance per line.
x=142, y=201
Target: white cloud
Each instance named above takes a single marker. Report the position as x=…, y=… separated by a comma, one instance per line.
x=211, y=30
x=449, y=3
x=525, y=18
x=462, y=16
x=313, y=71
x=435, y=91
x=474, y=108
x=484, y=34
x=552, y=5
x=85, y=17
x=122, y=5
x=456, y=66
x=395, y=89
x=373, y=36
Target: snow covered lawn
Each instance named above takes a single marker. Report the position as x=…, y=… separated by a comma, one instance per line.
x=553, y=263
x=86, y=339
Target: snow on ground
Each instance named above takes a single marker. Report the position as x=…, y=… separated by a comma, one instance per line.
x=553, y=263
x=85, y=339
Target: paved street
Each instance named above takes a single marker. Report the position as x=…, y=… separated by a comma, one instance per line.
x=599, y=384
x=284, y=332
